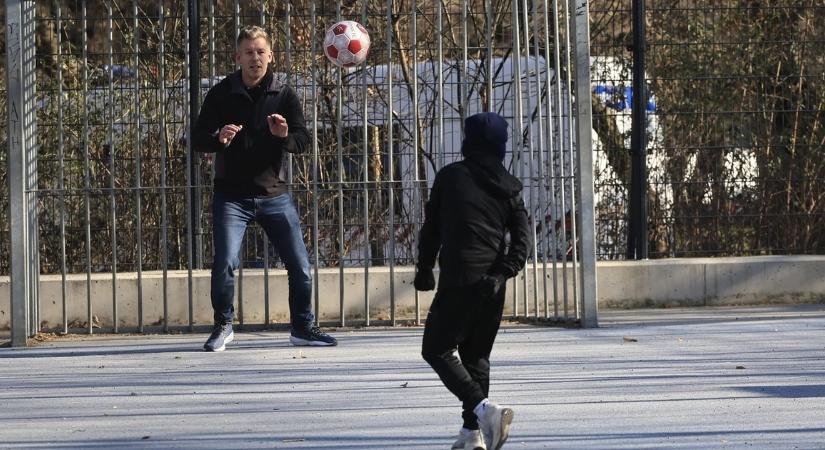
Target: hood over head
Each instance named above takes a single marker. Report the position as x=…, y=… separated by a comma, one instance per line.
x=485, y=133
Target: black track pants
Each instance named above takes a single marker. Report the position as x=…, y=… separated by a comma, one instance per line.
x=460, y=320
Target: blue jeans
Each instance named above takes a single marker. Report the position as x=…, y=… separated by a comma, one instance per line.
x=279, y=219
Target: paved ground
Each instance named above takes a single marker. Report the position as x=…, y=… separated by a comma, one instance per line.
x=697, y=378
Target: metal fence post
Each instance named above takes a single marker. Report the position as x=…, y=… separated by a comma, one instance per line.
x=22, y=169
x=196, y=231
x=584, y=126
x=637, y=232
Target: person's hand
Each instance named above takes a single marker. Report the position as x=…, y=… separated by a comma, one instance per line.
x=277, y=125
x=489, y=285
x=424, y=280
x=228, y=133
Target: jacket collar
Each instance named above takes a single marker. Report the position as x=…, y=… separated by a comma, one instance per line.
x=237, y=86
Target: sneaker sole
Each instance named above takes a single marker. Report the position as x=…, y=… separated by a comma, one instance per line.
x=504, y=430
x=228, y=339
x=463, y=448
x=298, y=342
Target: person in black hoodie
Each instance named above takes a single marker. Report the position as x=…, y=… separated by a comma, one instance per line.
x=473, y=205
x=249, y=121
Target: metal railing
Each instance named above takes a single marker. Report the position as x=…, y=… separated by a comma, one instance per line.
x=117, y=189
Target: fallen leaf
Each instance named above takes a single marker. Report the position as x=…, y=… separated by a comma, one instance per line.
x=740, y=367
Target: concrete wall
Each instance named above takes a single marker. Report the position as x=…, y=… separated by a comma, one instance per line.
x=712, y=281
x=621, y=284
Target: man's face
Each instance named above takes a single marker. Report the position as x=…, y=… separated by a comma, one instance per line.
x=254, y=56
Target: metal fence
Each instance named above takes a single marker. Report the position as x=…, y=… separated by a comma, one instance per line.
x=119, y=191
x=734, y=132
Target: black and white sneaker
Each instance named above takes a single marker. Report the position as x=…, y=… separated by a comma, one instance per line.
x=221, y=335
x=311, y=336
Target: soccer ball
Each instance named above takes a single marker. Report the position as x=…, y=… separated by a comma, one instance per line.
x=347, y=43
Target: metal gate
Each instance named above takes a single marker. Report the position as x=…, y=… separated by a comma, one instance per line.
x=103, y=187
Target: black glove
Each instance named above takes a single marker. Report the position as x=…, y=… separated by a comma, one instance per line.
x=489, y=285
x=424, y=279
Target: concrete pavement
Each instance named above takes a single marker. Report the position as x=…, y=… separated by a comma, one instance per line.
x=693, y=378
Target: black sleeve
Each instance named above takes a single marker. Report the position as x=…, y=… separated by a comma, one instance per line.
x=429, y=239
x=297, y=137
x=519, y=229
x=205, y=131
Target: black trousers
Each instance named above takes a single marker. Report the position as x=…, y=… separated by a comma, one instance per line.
x=461, y=322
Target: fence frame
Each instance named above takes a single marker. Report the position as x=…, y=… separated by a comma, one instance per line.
x=23, y=179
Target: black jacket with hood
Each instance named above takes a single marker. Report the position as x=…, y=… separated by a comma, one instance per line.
x=253, y=163
x=473, y=204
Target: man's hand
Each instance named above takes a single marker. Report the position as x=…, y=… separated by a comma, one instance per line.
x=489, y=285
x=228, y=133
x=277, y=125
x=424, y=279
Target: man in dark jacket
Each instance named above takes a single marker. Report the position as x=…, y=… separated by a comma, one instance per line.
x=473, y=204
x=250, y=120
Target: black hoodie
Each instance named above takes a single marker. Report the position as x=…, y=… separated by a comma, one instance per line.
x=472, y=206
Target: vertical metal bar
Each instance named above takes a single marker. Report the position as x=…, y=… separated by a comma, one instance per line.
x=163, y=152
x=564, y=138
x=530, y=152
x=315, y=174
x=193, y=170
x=551, y=169
x=584, y=125
x=366, y=179
x=210, y=24
x=488, y=9
x=439, y=110
x=288, y=49
x=86, y=162
x=540, y=240
x=61, y=186
x=112, y=200
x=339, y=138
x=29, y=85
x=390, y=162
x=465, y=84
x=419, y=183
x=138, y=162
x=571, y=167
x=518, y=143
x=265, y=240
x=637, y=231
x=210, y=8
x=16, y=105
x=237, y=23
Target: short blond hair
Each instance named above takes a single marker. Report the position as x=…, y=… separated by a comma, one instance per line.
x=252, y=32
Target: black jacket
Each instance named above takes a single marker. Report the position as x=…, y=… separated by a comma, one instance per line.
x=253, y=163
x=472, y=206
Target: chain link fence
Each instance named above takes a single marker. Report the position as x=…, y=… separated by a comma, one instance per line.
x=735, y=135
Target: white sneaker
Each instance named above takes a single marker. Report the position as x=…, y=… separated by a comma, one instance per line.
x=495, y=424
x=469, y=440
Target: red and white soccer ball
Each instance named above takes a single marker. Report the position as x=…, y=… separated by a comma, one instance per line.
x=347, y=43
